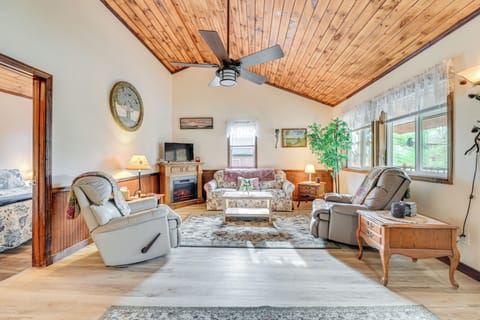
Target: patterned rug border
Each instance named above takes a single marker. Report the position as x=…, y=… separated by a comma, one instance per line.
x=206, y=242
x=384, y=312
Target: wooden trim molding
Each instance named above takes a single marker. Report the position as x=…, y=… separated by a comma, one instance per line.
x=463, y=268
x=42, y=158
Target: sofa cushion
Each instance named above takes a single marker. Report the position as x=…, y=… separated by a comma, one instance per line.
x=276, y=193
x=218, y=193
x=264, y=174
x=104, y=213
x=243, y=183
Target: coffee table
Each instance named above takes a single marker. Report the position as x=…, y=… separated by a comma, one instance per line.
x=265, y=212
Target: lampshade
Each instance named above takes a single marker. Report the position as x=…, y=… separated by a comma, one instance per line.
x=138, y=162
x=309, y=168
x=471, y=74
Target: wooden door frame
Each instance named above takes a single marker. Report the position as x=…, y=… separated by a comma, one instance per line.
x=42, y=159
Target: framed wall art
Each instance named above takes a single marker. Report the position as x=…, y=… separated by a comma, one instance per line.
x=196, y=123
x=126, y=106
x=294, y=138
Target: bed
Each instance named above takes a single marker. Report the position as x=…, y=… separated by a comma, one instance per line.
x=15, y=209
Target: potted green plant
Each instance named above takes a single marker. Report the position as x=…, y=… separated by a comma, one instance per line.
x=331, y=145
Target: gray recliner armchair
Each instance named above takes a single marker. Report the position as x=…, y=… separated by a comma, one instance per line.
x=143, y=232
x=335, y=216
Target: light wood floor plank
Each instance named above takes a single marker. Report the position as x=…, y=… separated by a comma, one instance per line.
x=81, y=287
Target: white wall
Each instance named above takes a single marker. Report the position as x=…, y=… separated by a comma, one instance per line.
x=16, y=132
x=446, y=202
x=270, y=107
x=87, y=50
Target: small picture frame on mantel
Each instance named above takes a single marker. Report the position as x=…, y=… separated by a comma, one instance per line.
x=196, y=123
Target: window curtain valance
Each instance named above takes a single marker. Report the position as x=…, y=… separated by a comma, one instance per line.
x=428, y=90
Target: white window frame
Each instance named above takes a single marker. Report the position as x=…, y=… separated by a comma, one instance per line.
x=419, y=173
x=362, y=149
x=231, y=162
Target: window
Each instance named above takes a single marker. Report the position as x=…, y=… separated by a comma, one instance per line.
x=417, y=116
x=242, y=145
x=419, y=144
x=360, y=157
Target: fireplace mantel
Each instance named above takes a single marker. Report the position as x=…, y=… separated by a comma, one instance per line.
x=172, y=170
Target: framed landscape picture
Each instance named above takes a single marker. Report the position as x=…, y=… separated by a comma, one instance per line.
x=196, y=123
x=294, y=138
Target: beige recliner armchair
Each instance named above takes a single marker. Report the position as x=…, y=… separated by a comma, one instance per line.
x=335, y=216
x=146, y=232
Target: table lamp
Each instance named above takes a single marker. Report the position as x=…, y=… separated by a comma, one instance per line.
x=138, y=162
x=309, y=168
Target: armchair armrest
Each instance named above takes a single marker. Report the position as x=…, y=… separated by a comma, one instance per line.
x=288, y=188
x=171, y=215
x=210, y=186
x=338, y=197
x=132, y=220
x=346, y=209
x=142, y=204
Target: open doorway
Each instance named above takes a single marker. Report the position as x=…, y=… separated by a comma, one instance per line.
x=39, y=83
x=16, y=171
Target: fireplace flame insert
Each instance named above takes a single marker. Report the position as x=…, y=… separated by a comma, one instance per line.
x=183, y=188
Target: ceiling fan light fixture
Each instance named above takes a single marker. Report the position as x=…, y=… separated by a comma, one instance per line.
x=228, y=77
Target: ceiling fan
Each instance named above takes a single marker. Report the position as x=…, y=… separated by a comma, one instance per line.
x=229, y=69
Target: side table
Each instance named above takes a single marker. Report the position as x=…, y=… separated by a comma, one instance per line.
x=309, y=191
x=160, y=197
x=415, y=237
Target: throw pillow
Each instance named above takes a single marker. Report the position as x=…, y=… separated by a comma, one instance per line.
x=244, y=183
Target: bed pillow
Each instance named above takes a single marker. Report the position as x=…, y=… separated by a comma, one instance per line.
x=11, y=178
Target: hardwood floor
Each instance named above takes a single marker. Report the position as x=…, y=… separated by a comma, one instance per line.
x=16, y=260
x=81, y=287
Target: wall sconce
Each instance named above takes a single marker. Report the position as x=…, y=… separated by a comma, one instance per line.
x=277, y=132
x=471, y=75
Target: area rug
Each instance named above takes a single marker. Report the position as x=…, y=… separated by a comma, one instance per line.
x=413, y=312
x=287, y=231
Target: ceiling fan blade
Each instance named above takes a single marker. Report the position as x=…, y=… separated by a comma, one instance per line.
x=215, y=82
x=252, y=76
x=195, y=65
x=263, y=56
x=215, y=43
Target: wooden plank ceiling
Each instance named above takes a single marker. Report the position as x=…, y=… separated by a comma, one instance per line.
x=333, y=48
x=16, y=83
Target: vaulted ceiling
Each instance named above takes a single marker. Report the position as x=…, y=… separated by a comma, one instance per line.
x=333, y=48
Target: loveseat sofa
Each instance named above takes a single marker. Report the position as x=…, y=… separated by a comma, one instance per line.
x=269, y=180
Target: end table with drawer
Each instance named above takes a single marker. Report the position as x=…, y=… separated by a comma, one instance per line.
x=416, y=237
x=309, y=191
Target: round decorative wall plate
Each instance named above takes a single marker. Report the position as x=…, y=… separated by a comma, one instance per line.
x=126, y=106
